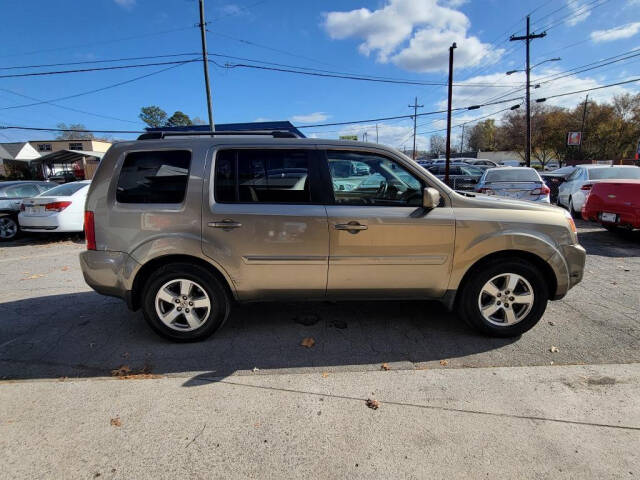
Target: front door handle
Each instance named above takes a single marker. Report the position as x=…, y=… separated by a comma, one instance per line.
x=225, y=224
x=351, y=227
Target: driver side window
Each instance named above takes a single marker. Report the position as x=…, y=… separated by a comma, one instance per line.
x=360, y=178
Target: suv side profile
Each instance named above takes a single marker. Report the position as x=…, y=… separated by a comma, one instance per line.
x=181, y=226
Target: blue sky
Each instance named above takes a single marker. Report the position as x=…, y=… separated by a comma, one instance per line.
x=400, y=39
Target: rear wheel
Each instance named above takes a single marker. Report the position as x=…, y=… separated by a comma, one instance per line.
x=9, y=228
x=574, y=213
x=505, y=298
x=185, y=302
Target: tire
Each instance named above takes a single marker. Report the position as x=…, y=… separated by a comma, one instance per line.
x=9, y=228
x=473, y=296
x=574, y=213
x=161, y=291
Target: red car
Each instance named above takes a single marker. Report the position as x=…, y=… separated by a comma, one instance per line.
x=614, y=203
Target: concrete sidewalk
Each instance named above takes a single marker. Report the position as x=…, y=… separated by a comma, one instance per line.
x=523, y=422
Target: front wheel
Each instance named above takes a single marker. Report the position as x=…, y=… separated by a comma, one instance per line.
x=185, y=302
x=9, y=228
x=504, y=299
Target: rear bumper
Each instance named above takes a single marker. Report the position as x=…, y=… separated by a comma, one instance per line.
x=42, y=223
x=624, y=218
x=109, y=273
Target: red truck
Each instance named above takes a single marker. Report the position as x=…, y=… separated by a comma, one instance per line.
x=613, y=203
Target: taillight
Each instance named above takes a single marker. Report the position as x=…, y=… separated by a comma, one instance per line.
x=89, y=230
x=586, y=186
x=56, y=206
x=543, y=190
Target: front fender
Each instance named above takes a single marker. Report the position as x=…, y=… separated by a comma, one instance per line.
x=539, y=244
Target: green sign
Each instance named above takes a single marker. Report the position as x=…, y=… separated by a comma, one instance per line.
x=349, y=137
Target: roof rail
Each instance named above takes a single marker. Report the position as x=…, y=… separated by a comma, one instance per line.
x=269, y=133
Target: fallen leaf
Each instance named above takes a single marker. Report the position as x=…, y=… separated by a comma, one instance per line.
x=32, y=277
x=552, y=323
x=65, y=268
x=121, y=371
x=115, y=422
x=384, y=366
x=308, y=342
x=256, y=369
x=373, y=404
x=444, y=363
x=554, y=349
x=325, y=374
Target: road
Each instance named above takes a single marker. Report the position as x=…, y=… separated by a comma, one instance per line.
x=59, y=343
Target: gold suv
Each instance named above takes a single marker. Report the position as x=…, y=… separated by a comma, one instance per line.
x=183, y=225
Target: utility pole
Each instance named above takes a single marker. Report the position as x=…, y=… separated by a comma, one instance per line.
x=584, y=115
x=415, y=107
x=364, y=136
x=462, y=139
x=377, y=133
x=205, y=62
x=527, y=38
x=448, y=144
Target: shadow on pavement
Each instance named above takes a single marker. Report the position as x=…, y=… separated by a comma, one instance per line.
x=618, y=243
x=35, y=239
x=87, y=335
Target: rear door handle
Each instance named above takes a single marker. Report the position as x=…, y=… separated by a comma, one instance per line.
x=225, y=224
x=351, y=227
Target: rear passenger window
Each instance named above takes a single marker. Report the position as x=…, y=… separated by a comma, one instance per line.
x=262, y=176
x=154, y=177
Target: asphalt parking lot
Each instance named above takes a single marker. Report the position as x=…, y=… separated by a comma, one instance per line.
x=54, y=326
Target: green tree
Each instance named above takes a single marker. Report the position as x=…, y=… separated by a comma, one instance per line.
x=483, y=136
x=178, y=119
x=73, y=135
x=153, y=116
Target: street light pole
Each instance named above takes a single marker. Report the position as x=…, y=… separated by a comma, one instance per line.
x=415, y=107
x=450, y=96
x=205, y=63
x=527, y=38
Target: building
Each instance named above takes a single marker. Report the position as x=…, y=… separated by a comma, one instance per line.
x=44, y=158
x=44, y=147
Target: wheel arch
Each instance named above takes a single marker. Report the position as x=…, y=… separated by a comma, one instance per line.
x=545, y=268
x=143, y=274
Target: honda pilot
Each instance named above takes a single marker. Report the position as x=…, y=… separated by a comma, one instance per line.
x=184, y=225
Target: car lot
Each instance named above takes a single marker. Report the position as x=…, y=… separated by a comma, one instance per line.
x=54, y=326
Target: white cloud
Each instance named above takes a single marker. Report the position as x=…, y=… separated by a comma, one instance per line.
x=128, y=4
x=413, y=35
x=397, y=136
x=580, y=12
x=310, y=117
x=617, y=33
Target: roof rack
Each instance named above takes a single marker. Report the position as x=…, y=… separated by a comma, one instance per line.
x=269, y=133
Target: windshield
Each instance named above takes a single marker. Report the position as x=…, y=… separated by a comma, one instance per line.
x=512, y=175
x=470, y=170
x=65, y=190
x=609, y=172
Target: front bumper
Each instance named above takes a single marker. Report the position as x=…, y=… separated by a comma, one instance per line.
x=568, y=265
x=109, y=273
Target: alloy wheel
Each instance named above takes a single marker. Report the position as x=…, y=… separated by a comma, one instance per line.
x=506, y=299
x=8, y=228
x=182, y=305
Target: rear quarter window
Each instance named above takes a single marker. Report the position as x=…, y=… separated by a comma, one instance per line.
x=154, y=177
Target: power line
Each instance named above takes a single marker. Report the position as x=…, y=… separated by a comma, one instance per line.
x=88, y=62
x=361, y=78
x=470, y=107
x=68, y=108
x=96, y=90
x=97, y=69
x=468, y=121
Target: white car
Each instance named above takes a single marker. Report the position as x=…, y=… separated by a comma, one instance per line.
x=60, y=209
x=574, y=191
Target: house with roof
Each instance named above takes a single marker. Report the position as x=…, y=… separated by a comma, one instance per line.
x=16, y=157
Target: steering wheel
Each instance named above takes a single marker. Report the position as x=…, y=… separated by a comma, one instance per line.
x=382, y=190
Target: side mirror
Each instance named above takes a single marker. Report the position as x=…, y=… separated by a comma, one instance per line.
x=430, y=198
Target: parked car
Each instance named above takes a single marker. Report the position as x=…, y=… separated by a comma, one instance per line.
x=614, y=203
x=63, y=176
x=461, y=175
x=512, y=163
x=60, y=209
x=179, y=226
x=522, y=183
x=572, y=193
x=555, y=178
x=482, y=163
x=11, y=195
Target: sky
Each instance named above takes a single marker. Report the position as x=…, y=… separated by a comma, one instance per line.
x=391, y=39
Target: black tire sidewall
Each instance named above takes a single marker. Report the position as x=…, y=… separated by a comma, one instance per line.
x=220, y=303
x=15, y=220
x=468, y=303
